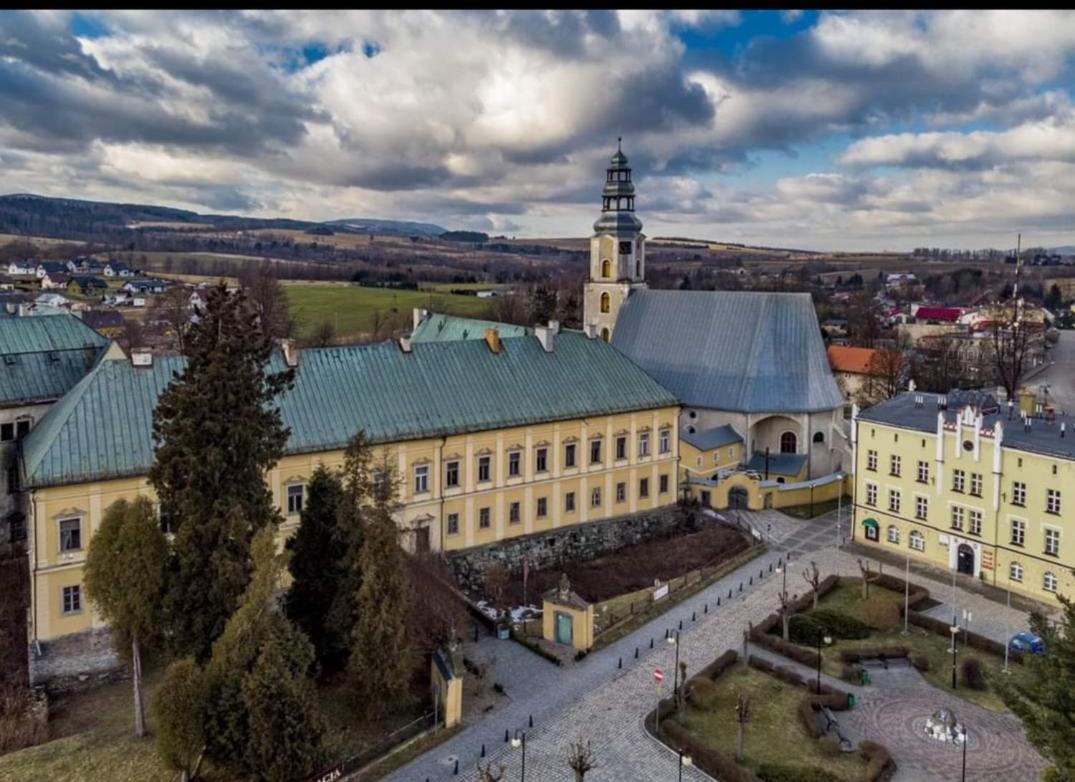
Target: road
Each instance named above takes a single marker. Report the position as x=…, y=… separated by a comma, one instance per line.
x=1060, y=377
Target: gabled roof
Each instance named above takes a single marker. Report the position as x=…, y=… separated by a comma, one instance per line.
x=847, y=359
x=102, y=429
x=43, y=358
x=947, y=314
x=779, y=463
x=735, y=351
x=717, y=437
x=448, y=328
x=53, y=266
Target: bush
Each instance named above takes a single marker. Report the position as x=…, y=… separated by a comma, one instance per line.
x=921, y=662
x=786, y=648
x=702, y=693
x=840, y=625
x=803, y=629
x=813, y=719
x=830, y=745
x=879, y=763
x=850, y=672
x=972, y=674
x=778, y=772
x=719, y=665
x=873, y=652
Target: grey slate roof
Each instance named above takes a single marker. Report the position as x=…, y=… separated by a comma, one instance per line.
x=717, y=437
x=1043, y=437
x=738, y=351
x=43, y=358
x=102, y=428
x=779, y=463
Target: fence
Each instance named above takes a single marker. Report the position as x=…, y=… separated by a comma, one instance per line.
x=377, y=751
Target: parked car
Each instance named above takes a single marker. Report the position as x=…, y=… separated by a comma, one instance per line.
x=1026, y=642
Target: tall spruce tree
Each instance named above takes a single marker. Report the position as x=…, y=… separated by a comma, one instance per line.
x=1042, y=695
x=379, y=667
x=316, y=563
x=217, y=432
x=260, y=694
x=125, y=578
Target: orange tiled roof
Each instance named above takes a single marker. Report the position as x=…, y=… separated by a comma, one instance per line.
x=846, y=359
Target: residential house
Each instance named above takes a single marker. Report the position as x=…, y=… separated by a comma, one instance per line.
x=54, y=280
x=86, y=284
x=145, y=285
x=22, y=269
x=118, y=269
x=50, y=267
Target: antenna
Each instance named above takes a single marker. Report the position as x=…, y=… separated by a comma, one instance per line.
x=619, y=143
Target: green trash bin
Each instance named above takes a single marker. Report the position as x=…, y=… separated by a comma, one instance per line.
x=851, y=700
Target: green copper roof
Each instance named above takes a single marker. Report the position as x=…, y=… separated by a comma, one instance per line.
x=102, y=428
x=449, y=328
x=41, y=358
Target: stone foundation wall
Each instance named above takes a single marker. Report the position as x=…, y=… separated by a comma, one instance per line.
x=70, y=660
x=569, y=544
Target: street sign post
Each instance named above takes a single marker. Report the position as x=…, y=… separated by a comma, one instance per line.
x=658, y=677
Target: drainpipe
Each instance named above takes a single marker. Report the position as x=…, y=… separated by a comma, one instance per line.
x=33, y=579
x=440, y=483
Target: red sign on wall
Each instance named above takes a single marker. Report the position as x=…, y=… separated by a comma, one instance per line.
x=987, y=560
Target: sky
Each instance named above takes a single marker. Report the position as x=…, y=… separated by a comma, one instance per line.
x=838, y=131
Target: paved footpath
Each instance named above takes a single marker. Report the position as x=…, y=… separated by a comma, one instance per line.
x=595, y=700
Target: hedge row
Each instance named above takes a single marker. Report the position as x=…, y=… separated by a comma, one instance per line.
x=973, y=640
x=896, y=584
x=715, y=763
x=778, y=772
x=879, y=762
x=873, y=652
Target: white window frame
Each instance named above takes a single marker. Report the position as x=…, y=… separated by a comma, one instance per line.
x=975, y=484
x=1019, y=494
x=871, y=494
x=1015, y=572
x=1051, y=534
x=1052, y=501
x=421, y=479
x=1020, y=525
x=1049, y=582
x=959, y=481
x=871, y=460
x=515, y=464
x=643, y=445
x=595, y=497
x=895, y=465
x=76, y=592
x=921, y=507
x=893, y=534
x=664, y=441
x=59, y=526
x=291, y=496
x=895, y=500
x=450, y=466
x=453, y=523
x=974, y=521
x=957, y=517
x=918, y=538
x=923, y=472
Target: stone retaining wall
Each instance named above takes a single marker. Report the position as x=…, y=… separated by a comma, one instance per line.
x=65, y=662
x=577, y=543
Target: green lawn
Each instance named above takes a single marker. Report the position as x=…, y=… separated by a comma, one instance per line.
x=775, y=733
x=351, y=308
x=847, y=598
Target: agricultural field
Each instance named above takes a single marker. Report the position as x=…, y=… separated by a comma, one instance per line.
x=352, y=309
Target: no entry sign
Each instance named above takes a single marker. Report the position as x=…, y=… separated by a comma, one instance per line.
x=658, y=675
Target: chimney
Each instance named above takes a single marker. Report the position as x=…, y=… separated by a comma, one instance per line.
x=141, y=357
x=591, y=330
x=554, y=326
x=418, y=315
x=405, y=344
x=1027, y=401
x=492, y=339
x=546, y=336
x=290, y=351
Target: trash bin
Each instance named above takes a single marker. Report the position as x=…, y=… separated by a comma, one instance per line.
x=851, y=700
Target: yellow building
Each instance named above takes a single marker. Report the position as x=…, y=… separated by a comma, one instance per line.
x=968, y=484
x=492, y=439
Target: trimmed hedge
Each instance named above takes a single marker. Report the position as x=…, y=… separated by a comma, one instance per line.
x=712, y=762
x=896, y=584
x=788, y=649
x=872, y=652
x=973, y=640
x=803, y=629
x=719, y=665
x=777, y=772
x=840, y=625
x=879, y=762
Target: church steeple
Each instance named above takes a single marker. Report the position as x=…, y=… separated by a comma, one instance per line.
x=617, y=248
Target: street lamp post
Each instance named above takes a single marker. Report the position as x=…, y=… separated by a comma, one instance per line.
x=839, y=519
x=1007, y=639
x=674, y=639
x=906, y=592
x=954, y=630
x=821, y=639
x=684, y=760
x=520, y=739
x=963, y=777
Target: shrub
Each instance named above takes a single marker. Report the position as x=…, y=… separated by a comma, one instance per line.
x=702, y=693
x=840, y=625
x=778, y=772
x=719, y=665
x=709, y=760
x=879, y=763
x=803, y=629
x=850, y=672
x=871, y=652
x=830, y=745
x=921, y=662
x=972, y=673
x=813, y=719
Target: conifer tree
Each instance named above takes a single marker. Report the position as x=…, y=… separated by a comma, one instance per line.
x=1042, y=695
x=316, y=562
x=125, y=579
x=217, y=432
x=379, y=667
x=179, y=706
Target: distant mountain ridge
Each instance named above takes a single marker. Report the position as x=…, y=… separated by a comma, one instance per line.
x=401, y=227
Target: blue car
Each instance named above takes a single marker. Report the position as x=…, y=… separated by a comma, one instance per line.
x=1027, y=643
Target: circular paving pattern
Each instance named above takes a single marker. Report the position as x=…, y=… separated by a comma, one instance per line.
x=896, y=717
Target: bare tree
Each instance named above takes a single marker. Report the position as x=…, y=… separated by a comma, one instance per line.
x=581, y=759
x=884, y=377
x=868, y=578
x=742, y=717
x=173, y=308
x=269, y=297
x=812, y=577
x=1011, y=343
x=325, y=334
x=497, y=579
x=864, y=320
x=785, y=604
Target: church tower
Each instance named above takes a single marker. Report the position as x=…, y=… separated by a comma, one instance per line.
x=617, y=250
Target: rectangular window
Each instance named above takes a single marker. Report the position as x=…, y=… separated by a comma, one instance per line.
x=975, y=522
x=957, y=517
x=923, y=472
x=453, y=523
x=542, y=507
x=294, y=499
x=515, y=462
x=621, y=492
x=569, y=502
x=643, y=487
x=541, y=460
x=1052, y=501
x=1015, y=571
x=662, y=483
x=22, y=427
x=894, y=465
x=894, y=500
x=871, y=460
x=1019, y=493
x=514, y=513
x=917, y=541
x=664, y=443
x=72, y=599
x=595, y=451
x=1048, y=582
x=595, y=498
x=958, y=477
x=871, y=494
x=621, y=448
x=484, y=521
x=70, y=534
x=643, y=444
x=921, y=508
x=1018, y=532
x=569, y=455
x=451, y=474
x=483, y=468
x=976, y=484
x=7, y=432
x=1052, y=542
x=421, y=479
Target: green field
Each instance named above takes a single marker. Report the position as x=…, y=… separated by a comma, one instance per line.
x=351, y=308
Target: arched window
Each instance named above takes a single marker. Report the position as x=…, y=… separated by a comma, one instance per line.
x=1015, y=571
x=788, y=442
x=606, y=268
x=606, y=302
x=819, y=437
x=606, y=335
x=893, y=534
x=917, y=541
x=1048, y=582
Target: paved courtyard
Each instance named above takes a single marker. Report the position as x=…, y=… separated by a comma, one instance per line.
x=598, y=701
